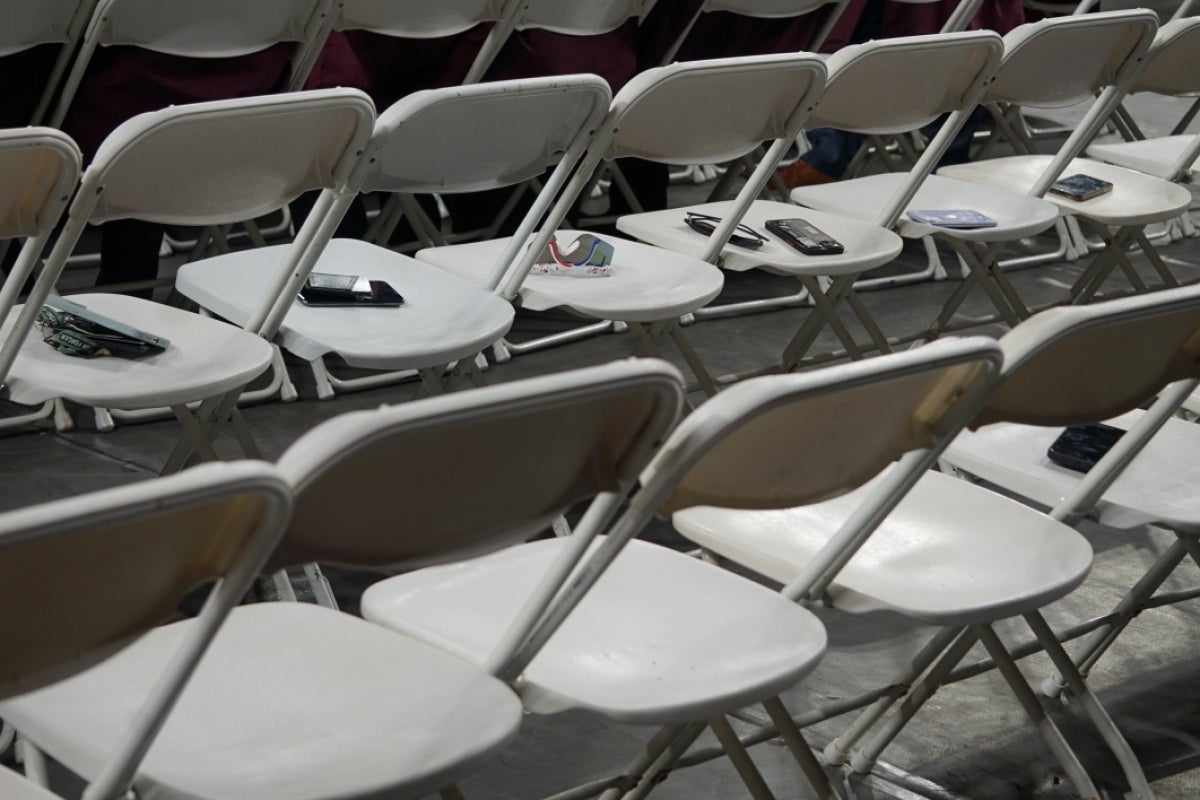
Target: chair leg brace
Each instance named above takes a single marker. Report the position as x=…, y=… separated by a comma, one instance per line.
x=1091, y=706
x=1122, y=614
x=1074, y=770
x=649, y=337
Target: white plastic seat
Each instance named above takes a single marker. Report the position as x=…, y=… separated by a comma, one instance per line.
x=442, y=320
x=957, y=555
x=294, y=701
x=945, y=556
x=947, y=74
x=255, y=721
x=639, y=647
x=67, y=618
x=202, y=29
x=41, y=169
x=206, y=358
x=1172, y=68
x=425, y=142
x=608, y=657
x=211, y=147
x=665, y=115
x=1060, y=61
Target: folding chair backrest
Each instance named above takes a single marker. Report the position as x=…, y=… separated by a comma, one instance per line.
x=1173, y=62
x=1076, y=364
x=706, y=112
x=82, y=577
x=242, y=158
x=418, y=19
x=457, y=475
x=787, y=441
x=41, y=169
x=202, y=29
x=581, y=19
x=29, y=24
x=766, y=9
x=481, y=137
x=896, y=85
x=1064, y=60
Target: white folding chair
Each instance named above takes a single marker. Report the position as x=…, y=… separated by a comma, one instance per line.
x=297, y=702
x=201, y=29
x=82, y=579
x=233, y=159
x=980, y=557
x=638, y=647
x=40, y=169
x=1088, y=54
x=943, y=73
x=28, y=25
x=1017, y=215
x=665, y=114
x=1146, y=479
x=1173, y=69
x=429, y=141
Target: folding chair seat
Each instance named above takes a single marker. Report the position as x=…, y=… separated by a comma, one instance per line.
x=201, y=29
x=296, y=701
x=426, y=142
x=157, y=541
x=666, y=115
x=1088, y=54
x=28, y=25
x=40, y=169
x=961, y=557
x=233, y=160
x=940, y=73
x=639, y=647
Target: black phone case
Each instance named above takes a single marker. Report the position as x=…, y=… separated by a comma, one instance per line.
x=1080, y=447
x=783, y=230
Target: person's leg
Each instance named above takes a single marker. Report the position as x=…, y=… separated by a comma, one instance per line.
x=129, y=252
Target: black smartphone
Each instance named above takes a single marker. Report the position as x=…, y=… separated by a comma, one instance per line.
x=1081, y=187
x=1079, y=447
x=804, y=236
x=326, y=290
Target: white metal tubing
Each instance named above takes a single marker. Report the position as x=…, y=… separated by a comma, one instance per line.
x=501, y=662
x=1075, y=772
x=962, y=16
x=1091, y=706
x=536, y=213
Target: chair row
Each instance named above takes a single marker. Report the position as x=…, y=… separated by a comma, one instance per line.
x=435, y=681
x=455, y=296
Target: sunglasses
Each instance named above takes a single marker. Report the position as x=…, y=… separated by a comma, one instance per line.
x=743, y=235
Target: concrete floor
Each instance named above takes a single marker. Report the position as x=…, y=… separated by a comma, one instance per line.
x=971, y=741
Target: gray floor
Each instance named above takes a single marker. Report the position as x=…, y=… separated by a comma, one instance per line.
x=971, y=741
